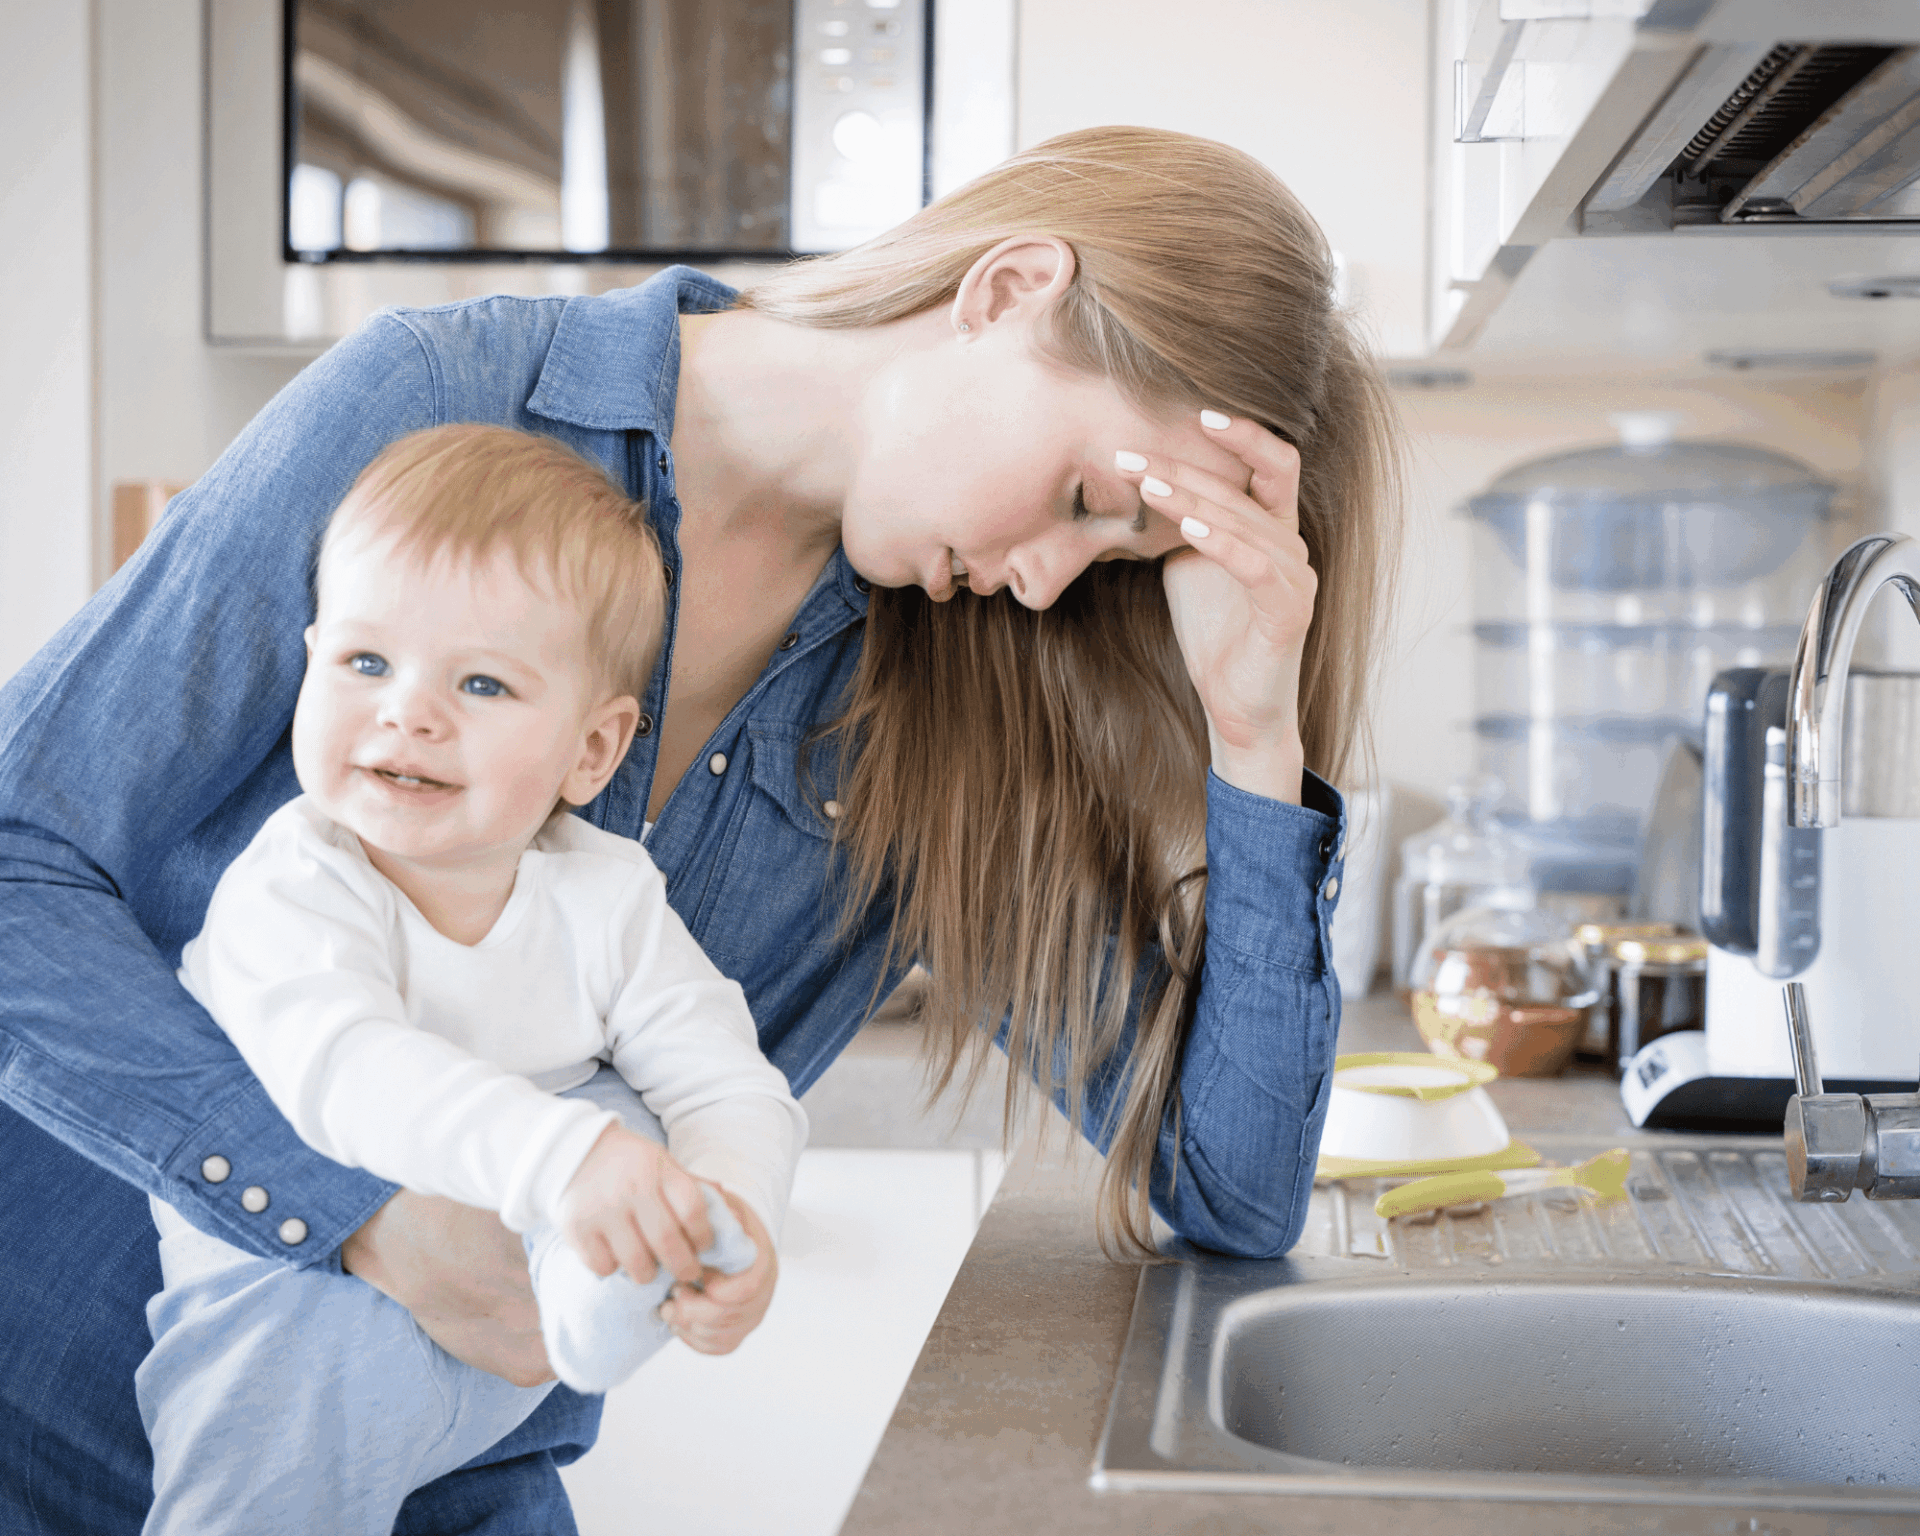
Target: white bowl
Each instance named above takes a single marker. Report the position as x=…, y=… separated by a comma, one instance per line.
x=1409, y=1107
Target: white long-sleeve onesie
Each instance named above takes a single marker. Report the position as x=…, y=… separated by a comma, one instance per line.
x=435, y=1064
x=432, y=1063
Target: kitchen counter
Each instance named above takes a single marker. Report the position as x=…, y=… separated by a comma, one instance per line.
x=997, y=1426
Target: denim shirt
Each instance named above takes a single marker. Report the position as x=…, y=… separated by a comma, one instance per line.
x=147, y=742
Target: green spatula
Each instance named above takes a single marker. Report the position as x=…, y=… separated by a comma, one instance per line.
x=1604, y=1177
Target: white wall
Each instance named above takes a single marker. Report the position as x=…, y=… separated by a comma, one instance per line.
x=105, y=374
x=46, y=359
x=1331, y=97
x=168, y=403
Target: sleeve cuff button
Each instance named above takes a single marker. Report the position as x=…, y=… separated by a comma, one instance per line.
x=254, y=1199
x=216, y=1169
x=293, y=1231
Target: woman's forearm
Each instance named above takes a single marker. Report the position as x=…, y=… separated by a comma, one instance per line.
x=106, y=1052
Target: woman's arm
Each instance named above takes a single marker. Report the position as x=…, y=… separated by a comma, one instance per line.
x=1258, y=1058
x=139, y=750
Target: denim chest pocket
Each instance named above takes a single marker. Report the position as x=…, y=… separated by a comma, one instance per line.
x=774, y=895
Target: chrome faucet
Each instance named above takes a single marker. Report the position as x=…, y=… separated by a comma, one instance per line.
x=1836, y=1142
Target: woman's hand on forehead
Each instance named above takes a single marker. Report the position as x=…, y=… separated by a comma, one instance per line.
x=1241, y=593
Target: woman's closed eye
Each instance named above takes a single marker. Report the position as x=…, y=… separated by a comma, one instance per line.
x=367, y=664
x=483, y=687
x=1082, y=512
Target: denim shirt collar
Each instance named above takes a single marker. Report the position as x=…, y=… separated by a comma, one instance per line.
x=614, y=362
x=614, y=366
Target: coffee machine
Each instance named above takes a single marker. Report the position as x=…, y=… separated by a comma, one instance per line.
x=1834, y=908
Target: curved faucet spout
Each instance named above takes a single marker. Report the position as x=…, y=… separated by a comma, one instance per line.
x=1817, y=701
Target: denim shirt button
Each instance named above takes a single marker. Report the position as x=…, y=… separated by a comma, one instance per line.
x=644, y=727
x=662, y=462
x=861, y=584
x=832, y=808
x=293, y=1231
x=253, y=1199
x=667, y=575
x=1332, y=887
x=789, y=640
x=216, y=1169
x=1340, y=848
x=717, y=764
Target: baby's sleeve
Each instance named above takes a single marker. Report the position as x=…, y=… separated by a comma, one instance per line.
x=681, y=1035
x=296, y=962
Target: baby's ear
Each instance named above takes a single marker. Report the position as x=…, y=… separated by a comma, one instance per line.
x=604, y=738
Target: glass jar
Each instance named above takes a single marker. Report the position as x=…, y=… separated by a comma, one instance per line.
x=1462, y=860
x=1506, y=984
x=1600, y=1045
x=1660, y=988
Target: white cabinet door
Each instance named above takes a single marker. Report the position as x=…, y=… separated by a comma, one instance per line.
x=776, y=1437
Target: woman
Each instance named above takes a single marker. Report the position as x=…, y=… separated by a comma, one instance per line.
x=1104, y=389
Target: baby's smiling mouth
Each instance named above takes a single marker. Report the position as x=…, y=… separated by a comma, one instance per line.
x=409, y=780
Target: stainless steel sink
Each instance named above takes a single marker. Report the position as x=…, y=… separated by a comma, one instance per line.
x=1706, y=1342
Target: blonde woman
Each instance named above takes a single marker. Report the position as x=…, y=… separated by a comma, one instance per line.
x=1024, y=569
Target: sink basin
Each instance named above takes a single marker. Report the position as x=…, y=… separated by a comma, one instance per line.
x=1707, y=1342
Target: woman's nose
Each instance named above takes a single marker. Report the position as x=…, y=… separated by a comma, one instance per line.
x=1038, y=571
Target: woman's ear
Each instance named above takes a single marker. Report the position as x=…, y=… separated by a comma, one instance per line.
x=1020, y=279
x=604, y=740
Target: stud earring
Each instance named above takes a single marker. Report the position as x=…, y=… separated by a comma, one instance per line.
x=966, y=325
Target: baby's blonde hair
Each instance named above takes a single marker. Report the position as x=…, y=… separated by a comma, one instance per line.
x=466, y=492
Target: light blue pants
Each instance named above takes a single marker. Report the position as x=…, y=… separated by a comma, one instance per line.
x=295, y=1401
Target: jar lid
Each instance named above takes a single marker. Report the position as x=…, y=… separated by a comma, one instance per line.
x=1689, y=949
x=1660, y=474
x=1605, y=935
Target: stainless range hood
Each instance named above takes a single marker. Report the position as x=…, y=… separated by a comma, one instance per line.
x=1773, y=133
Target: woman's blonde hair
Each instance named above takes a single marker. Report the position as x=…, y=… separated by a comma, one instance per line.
x=467, y=491
x=1031, y=785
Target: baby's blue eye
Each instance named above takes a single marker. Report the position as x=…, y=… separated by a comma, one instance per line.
x=368, y=665
x=483, y=687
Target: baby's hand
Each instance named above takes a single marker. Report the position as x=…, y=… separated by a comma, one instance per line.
x=714, y=1318
x=630, y=1206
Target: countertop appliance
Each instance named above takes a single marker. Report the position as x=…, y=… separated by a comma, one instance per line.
x=1611, y=584
x=1834, y=907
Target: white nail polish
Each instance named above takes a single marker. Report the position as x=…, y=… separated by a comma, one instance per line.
x=1215, y=420
x=1155, y=487
x=1193, y=528
x=1129, y=461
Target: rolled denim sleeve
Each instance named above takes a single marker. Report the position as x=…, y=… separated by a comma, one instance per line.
x=139, y=750
x=1234, y=1169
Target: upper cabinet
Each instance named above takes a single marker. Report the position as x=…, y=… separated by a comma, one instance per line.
x=1520, y=91
x=1648, y=176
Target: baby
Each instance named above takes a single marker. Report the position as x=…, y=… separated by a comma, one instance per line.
x=426, y=961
